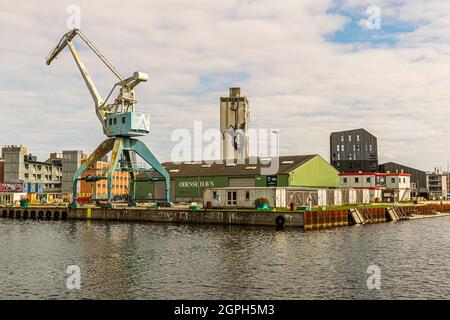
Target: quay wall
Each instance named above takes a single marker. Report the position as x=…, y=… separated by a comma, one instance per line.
x=171, y=215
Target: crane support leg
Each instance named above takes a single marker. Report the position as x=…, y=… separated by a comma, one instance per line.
x=141, y=149
x=103, y=149
x=132, y=185
x=116, y=152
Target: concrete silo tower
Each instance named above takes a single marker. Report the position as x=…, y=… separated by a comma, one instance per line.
x=234, y=124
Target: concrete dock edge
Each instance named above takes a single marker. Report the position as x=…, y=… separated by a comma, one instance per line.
x=223, y=217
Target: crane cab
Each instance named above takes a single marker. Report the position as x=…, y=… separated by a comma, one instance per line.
x=127, y=124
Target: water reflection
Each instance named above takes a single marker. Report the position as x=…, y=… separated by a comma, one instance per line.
x=163, y=261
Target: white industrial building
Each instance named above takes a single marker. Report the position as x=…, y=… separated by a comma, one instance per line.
x=389, y=187
x=282, y=197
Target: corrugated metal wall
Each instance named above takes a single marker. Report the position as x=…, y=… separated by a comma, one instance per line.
x=241, y=182
x=160, y=190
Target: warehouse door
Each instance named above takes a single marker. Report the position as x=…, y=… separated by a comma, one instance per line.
x=160, y=190
x=242, y=182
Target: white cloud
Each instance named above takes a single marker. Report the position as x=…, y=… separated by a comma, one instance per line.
x=276, y=51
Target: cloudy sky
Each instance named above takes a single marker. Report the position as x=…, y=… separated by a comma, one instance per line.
x=308, y=67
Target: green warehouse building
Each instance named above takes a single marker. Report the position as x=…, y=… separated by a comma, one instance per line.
x=189, y=180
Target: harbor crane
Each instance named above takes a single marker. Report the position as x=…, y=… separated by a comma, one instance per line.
x=120, y=123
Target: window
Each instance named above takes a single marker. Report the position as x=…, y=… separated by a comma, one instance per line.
x=349, y=138
x=339, y=156
x=370, y=148
x=247, y=195
x=110, y=121
x=354, y=147
x=338, y=148
x=350, y=156
x=216, y=196
x=232, y=198
x=357, y=137
x=344, y=180
x=115, y=121
x=342, y=148
x=358, y=147
x=342, y=138
x=368, y=179
x=123, y=120
x=404, y=180
x=356, y=180
x=393, y=180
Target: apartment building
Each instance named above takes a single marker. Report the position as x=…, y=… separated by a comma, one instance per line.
x=98, y=189
x=437, y=184
x=2, y=170
x=35, y=176
x=354, y=151
x=71, y=161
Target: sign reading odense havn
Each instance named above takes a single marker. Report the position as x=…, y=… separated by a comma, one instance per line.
x=194, y=186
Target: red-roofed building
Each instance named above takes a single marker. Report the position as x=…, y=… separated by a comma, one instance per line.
x=382, y=186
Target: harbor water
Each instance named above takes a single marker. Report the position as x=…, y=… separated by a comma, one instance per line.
x=168, y=261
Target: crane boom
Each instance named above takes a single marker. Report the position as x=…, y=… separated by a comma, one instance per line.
x=98, y=100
